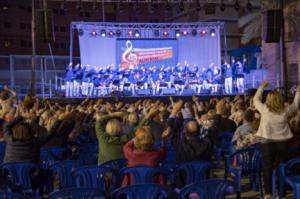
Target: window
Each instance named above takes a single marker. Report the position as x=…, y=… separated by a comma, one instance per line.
x=63, y=45
x=7, y=43
x=87, y=14
x=56, y=28
x=5, y=7
x=56, y=45
x=22, y=7
x=62, y=29
x=29, y=9
x=22, y=25
x=80, y=14
x=55, y=11
x=62, y=12
x=7, y=25
x=23, y=43
x=29, y=26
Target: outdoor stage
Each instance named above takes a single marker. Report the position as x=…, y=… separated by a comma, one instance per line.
x=146, y=59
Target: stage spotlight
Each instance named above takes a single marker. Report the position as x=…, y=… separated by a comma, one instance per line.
x=249, y=5
x=80, y=32
x=212, y=32
x=194, y=32
x=156, y=32
x=94, y=33
x=103, y=33
x=222, y=6
x=136, y=33
x=111, y=33
x=130, y=33
x=118, y=33
x=181, y=6
x=177, y=33
x=185, y=33
x=165, y=33
x=198, y=6
x=236, y=5
x=203, y=33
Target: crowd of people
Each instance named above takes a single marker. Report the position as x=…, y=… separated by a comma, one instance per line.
x=85, y=80
x=132, y=130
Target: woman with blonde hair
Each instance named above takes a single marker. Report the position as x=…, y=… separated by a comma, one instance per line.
x=110, y=136
x=274, y=132
x=140, y=151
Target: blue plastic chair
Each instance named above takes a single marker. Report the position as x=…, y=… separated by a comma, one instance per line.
x=225, y=147
x=249, y=164
x=77, y=193
x=195, y=171
x=19, y=174
x=88, y=154
x=116, y=164
x=64, y=170
x=51, y=155
x=143, y=174
x=209, y=189
x=170, y=161
x=96, y=177
x=12, y=195
x=289, y=175
x=144, y=191
x=2, y=151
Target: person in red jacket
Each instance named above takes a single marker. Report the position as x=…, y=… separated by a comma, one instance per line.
x=140, y=151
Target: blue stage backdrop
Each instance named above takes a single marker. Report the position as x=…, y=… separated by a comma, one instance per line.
x=132, y=52
x=97, y=51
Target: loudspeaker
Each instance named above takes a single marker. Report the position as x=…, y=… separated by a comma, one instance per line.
x=272, y=20
x=143, y=92
x=187, y=92
x=168, y=91
x=210, y=8
x=44, y=26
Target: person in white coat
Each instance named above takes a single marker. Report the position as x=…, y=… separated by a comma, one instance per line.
x=274, y=132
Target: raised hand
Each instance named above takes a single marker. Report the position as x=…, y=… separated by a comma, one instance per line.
x=298, y=88
x=265, y=83
x=166, y=133
x=195, y=99
x=177, y=106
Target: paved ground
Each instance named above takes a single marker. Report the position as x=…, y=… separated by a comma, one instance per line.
x=247, y=193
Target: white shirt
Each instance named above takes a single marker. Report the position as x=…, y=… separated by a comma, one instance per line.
x=274, y=126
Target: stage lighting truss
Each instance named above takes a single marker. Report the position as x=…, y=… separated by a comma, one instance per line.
x=148, y=30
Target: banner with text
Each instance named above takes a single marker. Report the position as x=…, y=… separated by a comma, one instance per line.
x=135, y=52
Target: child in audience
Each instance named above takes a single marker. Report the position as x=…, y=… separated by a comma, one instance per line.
x=243, y=134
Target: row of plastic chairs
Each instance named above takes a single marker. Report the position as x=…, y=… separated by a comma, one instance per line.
x=245, y=163
x=289, y=173
x=209, y=189
x=108, y=176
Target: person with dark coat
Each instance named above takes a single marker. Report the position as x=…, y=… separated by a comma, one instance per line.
x=187, y=144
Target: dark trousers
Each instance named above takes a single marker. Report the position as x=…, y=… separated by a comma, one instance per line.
x=273, y=153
